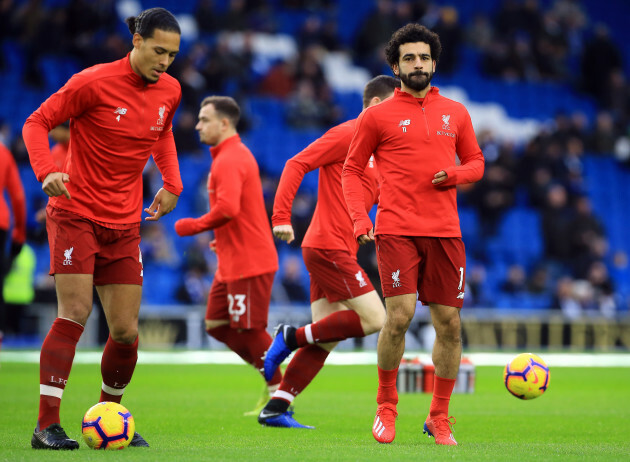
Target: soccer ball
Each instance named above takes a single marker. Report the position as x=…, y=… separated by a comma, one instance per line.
x=526, y=376
x=108, y=425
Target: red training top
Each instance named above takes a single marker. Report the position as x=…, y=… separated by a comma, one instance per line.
x=412, y=139
x=10, y=180
x=117, y=120
x=244, y=243
x=331, y=225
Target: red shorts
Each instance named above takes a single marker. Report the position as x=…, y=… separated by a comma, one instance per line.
x=335, y=275
x=432, y=267
x=245, y=302
x=80, y=246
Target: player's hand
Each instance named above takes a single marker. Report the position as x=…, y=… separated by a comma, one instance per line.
x=284, y=232
x=213, y=245
x=439, y=177
x=163, y=203
x=54, y=184
x=366, y=238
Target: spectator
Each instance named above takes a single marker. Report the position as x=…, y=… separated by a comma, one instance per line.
x=600, y=57
x=476, y=280
x=603, y=290
x=604, y=135
x=516, y=280
x=450, y=32
x=538, y=283
x=157, y=246
x=199, y=265
x=279, y=82
x=495, y=193
x=556, y=221
x=375, y=30
x=566, y=300
x=193, y=83
x=315, y=32
x=235, y=18
x=206, y=17
x=186, y=138
x=305, y=110
x=228, y=65
x=551, y=49
x=616, y=97
x=292, y=281
x=584, y=228
x=480, y=33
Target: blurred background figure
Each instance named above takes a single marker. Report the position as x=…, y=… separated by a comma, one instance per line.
x=12, y=230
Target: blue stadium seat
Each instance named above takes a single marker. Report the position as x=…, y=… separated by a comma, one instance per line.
x=160, y=284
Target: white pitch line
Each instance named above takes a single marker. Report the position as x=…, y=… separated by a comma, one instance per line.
x=335, y=358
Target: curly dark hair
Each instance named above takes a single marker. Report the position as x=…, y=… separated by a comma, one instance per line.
x=412, y=33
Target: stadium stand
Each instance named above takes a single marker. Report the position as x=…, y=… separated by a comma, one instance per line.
x=519, y=110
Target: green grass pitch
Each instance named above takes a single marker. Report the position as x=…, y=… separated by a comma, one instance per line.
x=195, y=412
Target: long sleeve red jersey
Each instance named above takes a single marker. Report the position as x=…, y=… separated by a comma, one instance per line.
x=331, y=225
x=10, y=181
x=412, y=139
x=244, y=243
x=117, y=121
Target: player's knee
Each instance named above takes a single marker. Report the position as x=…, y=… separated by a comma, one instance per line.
x=398, y=322
x=75, y=311
x=449, y=330
x=124, y=335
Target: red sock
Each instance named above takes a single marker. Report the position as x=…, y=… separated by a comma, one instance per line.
x=387, y=392
x=339, y=325
x=442, y=390
x=249, y=344
x=117, y=365
x=302, y=369
x=54, y=368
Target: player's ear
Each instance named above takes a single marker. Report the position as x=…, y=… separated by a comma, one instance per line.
x=137, y=40
x=395, y=69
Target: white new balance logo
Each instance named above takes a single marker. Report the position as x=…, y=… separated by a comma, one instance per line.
x=120, y=111
x=404, y=124
x=68, y=256
x=396, y=278
x=360, y=278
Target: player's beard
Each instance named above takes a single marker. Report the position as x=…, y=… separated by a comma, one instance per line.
x=417, y=80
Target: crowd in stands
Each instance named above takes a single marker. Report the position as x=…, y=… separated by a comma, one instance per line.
x=512, y=40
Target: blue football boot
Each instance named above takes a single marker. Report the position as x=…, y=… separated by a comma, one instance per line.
x=277, y=352
x=277, y=419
